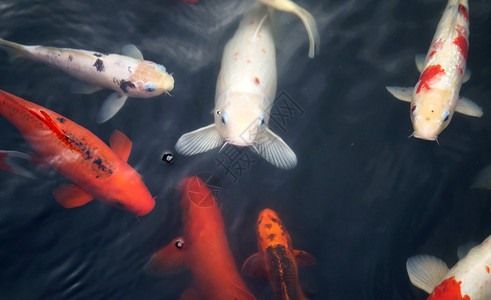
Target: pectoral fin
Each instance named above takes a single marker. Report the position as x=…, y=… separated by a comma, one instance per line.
x=464, y=249
x=303, y=258
x=275, y=151
x=70, y=196
x=255, y=266
x=199, y=141
x=79, y=87
x=419, y=59
x=120, y=144
x=426, y=272
x=467, y=107
x=401, y=93
x=483, y=179
x=168, y=260
x=7, y=163
x=110, y=107
x=132, y=51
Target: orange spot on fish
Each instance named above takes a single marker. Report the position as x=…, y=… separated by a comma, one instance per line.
x=487, y=269
x=236, y=53
x=448, y=289
x=431, y=54
x=459, y=69
x=264, y=51
x=429, y=76
x=256, y=81
x=461, y=42
x=248, y=61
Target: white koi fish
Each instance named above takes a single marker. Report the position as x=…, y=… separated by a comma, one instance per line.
x=435, y=97
x=128, y=74
x=469, y=279
x=245, y=92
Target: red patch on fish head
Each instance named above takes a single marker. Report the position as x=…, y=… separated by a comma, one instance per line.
x=463, y=11
x=461, y=43
x=429, y=76
x=449, y=289
x=197, y=192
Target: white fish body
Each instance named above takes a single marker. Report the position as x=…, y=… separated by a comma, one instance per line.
x=435, y=97
x=245, y=92
x=469, y=279
x=129, y=76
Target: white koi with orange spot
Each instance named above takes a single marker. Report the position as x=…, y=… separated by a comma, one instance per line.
x=129, y=74
x=245, y=92
x=469, y=279
x=435, y=97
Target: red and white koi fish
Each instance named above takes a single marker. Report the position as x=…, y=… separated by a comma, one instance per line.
x=128, y=74
x=276, y=258
x=435, y=97
x=98, y=171
x=469, y=279
x=245, y=92
x=203, y=248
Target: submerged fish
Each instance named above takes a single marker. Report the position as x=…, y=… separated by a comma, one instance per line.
x=128, y=74
x=98, y=171
x=203, y=248
x=469, y=279
x=435, y=97
x=276, y=258
x=245, y=92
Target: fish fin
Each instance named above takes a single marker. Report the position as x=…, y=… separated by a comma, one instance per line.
x=8, y=164
x=190, y=294
x=120, y=144
x=79, y=87
x=467, y=75
x=419, y=59
x=168, y=260
x=401, y=93
x=303, y=258
x=110, y=107
x=464, y=249
x=132, y=51
x=14, y=50
x=199, y=141
x=426, y=272
x=467, y=107
x=255, y=266
x=70, y=195
x=483, y=179
x=275, y=151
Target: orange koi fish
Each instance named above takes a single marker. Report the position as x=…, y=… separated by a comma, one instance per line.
x=203, y=248
x=98, y=171
x=276, y=258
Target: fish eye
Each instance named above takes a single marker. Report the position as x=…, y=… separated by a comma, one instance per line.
x=261, y=120
x=161, y=68
x=224, y=118
x=446, y=115
x=150, y=87
x=179, y=244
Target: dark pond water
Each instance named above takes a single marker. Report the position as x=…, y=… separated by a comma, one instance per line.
x=362, y=199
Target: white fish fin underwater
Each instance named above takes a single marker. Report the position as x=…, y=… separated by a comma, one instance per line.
x=467, y=76
x=14, y=50
x=275, y=151
x=8, y=164
x=132, y=51
x=199, y=141
x=110, y=107
x=483, y=179
x=464, y=249
x=401, y=93
x=426, y=272
x=467, y=107
x=419, y=59
x=79, y=87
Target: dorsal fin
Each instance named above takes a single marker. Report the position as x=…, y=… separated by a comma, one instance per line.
x=120, y=144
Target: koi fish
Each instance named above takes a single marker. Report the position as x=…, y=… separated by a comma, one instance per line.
x=276, y=258
x=245, y=92
x=435, y=97
x=304, y=15
x=203, y=248
x=128, y=74
x=469, y=279
x=98, y=171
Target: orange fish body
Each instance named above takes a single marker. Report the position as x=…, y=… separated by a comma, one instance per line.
x=276, y=258
x=203, y=248
x=97, y=170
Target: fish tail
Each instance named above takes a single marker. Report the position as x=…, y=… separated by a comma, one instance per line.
x=14, y=50
x=7, y=162
x=311, y=27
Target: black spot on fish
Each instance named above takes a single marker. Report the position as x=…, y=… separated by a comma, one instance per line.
x=98, y=55
x=99, y=65
x=124, y=85
x=62, y=120
x=269, y=225
x=271, y=236
x=70, y=57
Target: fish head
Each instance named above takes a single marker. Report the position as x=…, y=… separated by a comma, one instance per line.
x=240, y=117
x=128, y=192
x=431, y=112
x=270, y=230
x=150, y=80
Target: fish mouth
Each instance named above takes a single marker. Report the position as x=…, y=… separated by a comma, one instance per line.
x=432, y=137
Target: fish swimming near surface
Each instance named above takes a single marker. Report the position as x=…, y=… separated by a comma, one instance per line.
x=244, y=95
x=276, y=259
x=96, y=170
x=203, y=248
x=469, y=279
x=435, y=97
x=128, y=74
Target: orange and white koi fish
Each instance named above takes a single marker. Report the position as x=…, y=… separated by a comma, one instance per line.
x=276, y=258
x=245, y=92
x=469, y=279
x=203, y=248
x=98, y=171
x=435, y=97
x=128, y=74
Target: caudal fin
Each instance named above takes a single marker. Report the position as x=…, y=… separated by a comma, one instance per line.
x=13, y=49
x=7, y=163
